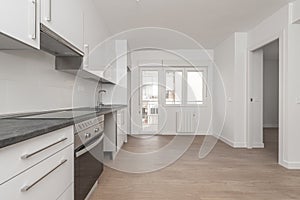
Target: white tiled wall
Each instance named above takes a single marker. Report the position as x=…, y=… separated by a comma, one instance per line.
x=29, y=82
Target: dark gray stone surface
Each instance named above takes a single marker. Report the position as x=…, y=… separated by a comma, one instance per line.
x=14, y=130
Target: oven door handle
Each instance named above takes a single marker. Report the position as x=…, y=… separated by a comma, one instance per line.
x=90, y=147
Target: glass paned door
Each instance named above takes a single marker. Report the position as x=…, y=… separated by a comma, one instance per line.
x=149, y=100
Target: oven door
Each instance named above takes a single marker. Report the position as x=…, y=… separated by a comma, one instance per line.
x=88, y=166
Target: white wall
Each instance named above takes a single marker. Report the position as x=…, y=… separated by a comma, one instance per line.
x=292, y=136
x=230, y=60
x=29, y=81
x=168, y=117
x=278, y=26
x=271, y=93
x=225, y=64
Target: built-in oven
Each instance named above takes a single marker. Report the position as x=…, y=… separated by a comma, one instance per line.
x=88, y=156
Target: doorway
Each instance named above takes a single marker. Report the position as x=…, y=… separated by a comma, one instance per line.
x=149, y=100
x=264, y=94
x=271, y=97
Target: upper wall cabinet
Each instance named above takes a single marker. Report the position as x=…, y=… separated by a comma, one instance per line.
x=19, y=20
x=65, y=18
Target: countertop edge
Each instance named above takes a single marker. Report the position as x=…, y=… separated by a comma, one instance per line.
x=8, y=141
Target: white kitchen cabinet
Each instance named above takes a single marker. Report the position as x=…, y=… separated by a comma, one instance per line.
x=47, y=180
x=65, y=18
x=68, y=194
x=117, y=70
x=24, y=155
x=121, y=128
x=115, y=132
x=39, y=168
x=19, y=20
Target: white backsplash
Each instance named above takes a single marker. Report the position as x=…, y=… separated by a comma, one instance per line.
x=29, y=83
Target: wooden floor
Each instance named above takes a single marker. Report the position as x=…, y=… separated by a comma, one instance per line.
x=226, y=174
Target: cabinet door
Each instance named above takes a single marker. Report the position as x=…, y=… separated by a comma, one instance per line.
x=47, y=180
x=64, y=18
x=19, y=20
x=24, y=155
x=68, y=194
x=121, y=128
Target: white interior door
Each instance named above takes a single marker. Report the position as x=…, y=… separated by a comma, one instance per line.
x=255, y=105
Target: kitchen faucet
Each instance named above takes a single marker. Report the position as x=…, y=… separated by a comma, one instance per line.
x=100, y=100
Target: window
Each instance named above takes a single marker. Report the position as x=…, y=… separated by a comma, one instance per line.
x=173, y=87
x=195, y=87
x=185, y=86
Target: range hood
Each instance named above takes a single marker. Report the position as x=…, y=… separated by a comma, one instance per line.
x=68, y=58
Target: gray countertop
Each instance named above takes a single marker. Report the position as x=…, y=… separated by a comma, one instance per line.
x=14, y=130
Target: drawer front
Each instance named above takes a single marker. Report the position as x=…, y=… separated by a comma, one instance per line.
x=68, y=194
x=22, y=156
x=48, y=180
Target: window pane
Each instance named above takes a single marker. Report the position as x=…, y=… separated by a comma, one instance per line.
x=150, y=85
x=173, y=87
x=195, y=87
x=150, y=100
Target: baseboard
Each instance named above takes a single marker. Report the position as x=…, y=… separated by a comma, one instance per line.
x=271, y=125
x=232, y=143
x=188, y=134
x=290, y=165
x=174, y=134
x=258, y=146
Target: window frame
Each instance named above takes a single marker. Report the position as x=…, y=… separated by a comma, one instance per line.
x=184, y=92
x=204, y=71
x=173, y=69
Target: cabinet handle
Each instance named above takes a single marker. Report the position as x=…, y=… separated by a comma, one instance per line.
x=48, y=10
x=26, y=156
x=26, y=188
x=32, y=18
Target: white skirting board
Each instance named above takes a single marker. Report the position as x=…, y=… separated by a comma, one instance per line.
x=290, y=165
x=232, y=143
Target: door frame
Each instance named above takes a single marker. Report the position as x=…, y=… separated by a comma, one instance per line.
x=141, y=69
x=282, y=91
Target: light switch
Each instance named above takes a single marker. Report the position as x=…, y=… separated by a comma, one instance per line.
x=298, y=100
x=230, y=99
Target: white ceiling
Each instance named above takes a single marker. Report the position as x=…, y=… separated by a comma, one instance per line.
x=207, y=21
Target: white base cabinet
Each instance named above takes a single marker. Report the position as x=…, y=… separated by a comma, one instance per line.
x=115, y=132
x=68, y=194
x=39, y=168
x=121, y=128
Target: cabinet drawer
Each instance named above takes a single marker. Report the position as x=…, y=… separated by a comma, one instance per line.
x=68, y=194
x=20, y=157
x=48, y=180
